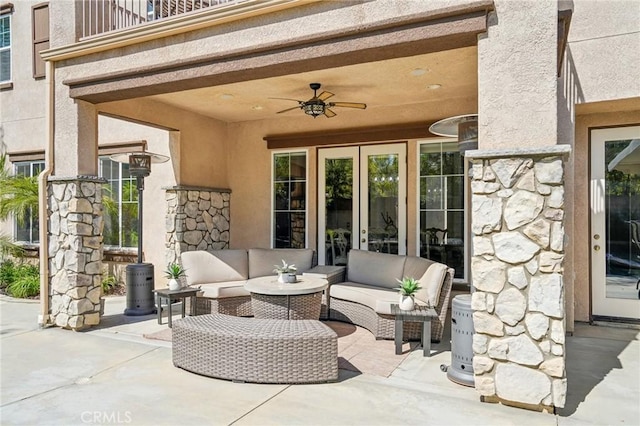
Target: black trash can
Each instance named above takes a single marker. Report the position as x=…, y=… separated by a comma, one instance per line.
x=140, y=285
x=461, y=370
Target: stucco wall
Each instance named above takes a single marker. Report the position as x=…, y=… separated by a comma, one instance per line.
x=22, y=120
x=604, y=49
x=22, y=108
x=517, y=84
x=245, y=33
x=249, y=169
x=199, y=155
x=112, y=131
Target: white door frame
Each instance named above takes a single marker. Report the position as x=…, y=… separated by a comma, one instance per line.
x=401, y=150
x=336, y=153
x=601, y=304
x=359, y=156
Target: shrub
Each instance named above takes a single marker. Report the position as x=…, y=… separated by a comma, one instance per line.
x=23, y=280
x=25, y=286
x=7, y=273
x=109, y=284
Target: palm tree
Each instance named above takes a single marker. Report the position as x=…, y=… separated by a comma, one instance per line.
x=18, y=197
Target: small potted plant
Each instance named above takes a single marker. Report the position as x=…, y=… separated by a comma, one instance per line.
x=408, y=288
x=174, y=272
x=286, y=273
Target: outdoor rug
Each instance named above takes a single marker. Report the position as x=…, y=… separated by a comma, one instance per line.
x=358, y=350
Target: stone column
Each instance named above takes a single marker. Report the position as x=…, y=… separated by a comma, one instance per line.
x=75, y=250
x=197, y=219
x=517, y=272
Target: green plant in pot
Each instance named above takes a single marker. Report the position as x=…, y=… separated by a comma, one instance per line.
x=174, y=272
x=408, y=289
x=286, y=273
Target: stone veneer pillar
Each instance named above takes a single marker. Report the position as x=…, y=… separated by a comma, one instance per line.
x=197, y=219
x=517, y=269
x=75, y=250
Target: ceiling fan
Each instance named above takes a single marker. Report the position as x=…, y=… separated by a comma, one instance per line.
x=317, y=106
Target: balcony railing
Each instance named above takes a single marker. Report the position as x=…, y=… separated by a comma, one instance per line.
x=101, y=16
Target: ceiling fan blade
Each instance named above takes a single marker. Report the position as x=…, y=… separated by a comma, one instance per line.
x=325, y=95
x=328, y=113
x=348, y=105
x=289, y=109
x=288, y=99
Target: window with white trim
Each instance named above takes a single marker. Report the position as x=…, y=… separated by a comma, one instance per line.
x=5, y=48
x=120, y=204
x=442, y=205
x=28, y=229
x=289, y=199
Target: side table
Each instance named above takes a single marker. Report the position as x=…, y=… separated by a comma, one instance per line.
x=420, y=313
x=182, y=294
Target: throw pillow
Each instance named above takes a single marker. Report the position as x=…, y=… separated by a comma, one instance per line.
x=431, y=283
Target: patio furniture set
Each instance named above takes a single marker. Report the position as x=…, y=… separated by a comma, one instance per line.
x=285, y=341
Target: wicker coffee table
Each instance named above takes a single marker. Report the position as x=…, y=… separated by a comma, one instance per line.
x=294, y=301
x=420, y=313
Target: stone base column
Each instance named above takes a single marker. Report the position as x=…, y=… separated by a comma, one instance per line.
x=75, y=251
x=517, y=269
x=197, y=219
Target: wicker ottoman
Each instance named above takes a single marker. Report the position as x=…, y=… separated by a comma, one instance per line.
x=256, y=350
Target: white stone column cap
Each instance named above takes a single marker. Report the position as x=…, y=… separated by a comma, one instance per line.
x=554, y=150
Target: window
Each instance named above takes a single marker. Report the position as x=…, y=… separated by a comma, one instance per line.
x=40, y=33
x=120, y=204
x=28, y=229
x=442, y=202
x=289, y=200
x=5, y=44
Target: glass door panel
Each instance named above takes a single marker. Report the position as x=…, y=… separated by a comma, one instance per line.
x=337, y=204
x=615, y=218
x=383, y=199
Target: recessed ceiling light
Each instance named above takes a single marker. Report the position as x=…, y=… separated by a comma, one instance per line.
x=434, y=86
x=419, y=71
x=226, y=96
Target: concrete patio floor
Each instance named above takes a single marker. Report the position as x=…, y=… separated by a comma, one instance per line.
x=112, y=375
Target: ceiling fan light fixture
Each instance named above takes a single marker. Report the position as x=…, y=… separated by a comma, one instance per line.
x=314, y=108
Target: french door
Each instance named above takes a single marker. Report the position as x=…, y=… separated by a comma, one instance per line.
x=361, y=201
x=615, y=222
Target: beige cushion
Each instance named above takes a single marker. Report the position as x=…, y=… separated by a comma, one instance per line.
x=220, y=290
x=262, y=261
x=415, y=267
x=203, y=267
x=377, y=298
x=376, y=269
x=431, y=283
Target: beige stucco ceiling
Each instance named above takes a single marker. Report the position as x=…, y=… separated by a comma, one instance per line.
x=383, y=85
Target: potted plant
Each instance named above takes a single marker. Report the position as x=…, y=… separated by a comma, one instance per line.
x=408, y=288
x=174, y=272
x=286, y=273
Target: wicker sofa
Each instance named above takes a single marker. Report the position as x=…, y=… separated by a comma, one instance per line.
x=370, y=288
x=221, y=275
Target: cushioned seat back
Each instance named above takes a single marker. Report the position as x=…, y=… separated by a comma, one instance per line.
x=262, y=262
x=203, y=267
x=415, y=267
x=376, y=269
